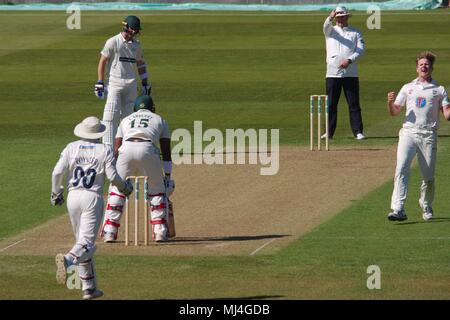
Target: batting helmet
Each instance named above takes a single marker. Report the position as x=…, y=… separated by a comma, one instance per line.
x=144, y=102
x=132, y=22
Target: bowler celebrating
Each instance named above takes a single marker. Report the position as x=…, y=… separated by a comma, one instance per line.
x=424, y=99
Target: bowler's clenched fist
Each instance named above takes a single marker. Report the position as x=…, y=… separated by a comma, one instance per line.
x=391, y=96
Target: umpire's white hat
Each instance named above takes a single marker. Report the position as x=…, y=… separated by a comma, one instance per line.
x=90, y=128
x=341, y=11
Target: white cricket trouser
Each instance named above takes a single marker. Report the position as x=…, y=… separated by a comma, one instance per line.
x=410, y=143
x=140, y=159
x=119, y=104
x=85, y=211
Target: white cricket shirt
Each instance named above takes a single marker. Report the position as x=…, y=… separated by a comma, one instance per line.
x=423, y=102
x=122, y=56
x=85, y=163
x=143, y=124
x=342, y=43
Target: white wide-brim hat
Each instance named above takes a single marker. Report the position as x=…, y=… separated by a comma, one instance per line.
x=341, y=11
x=90, y=128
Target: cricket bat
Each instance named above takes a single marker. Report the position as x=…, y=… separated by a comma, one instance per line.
x=171, y=223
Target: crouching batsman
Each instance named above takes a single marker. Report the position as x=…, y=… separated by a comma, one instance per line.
x=141, y=139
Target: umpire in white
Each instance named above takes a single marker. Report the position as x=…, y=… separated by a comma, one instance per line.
x=345, y=45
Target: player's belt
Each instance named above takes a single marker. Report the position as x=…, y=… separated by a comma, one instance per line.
x=137, y=140
x=126, y=59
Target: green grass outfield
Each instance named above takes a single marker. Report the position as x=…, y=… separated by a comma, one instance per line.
x=229, y=70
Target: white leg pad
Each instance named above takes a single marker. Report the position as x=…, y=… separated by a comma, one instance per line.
x=158, y=207
x=114, y=207
x=159, y=230
x=111, y=229
x=111, y=119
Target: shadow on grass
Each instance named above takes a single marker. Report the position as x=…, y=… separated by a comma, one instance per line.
x=227, y=238
x=202, y=240
x=356, y=149
x=367, y=138
x=434, y=220
x=381, y=137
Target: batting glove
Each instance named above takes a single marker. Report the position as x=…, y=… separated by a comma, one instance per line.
x=99, y=89
x=56, y=199
x=128, y=188
x=146, y=88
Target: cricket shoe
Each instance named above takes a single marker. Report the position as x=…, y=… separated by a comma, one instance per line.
x=360, y=136
x=160, y=237
x=92, y=294
x=427, y=213
x=324, y=136
x=109, y=237
x=61, y=269
x=397, y=215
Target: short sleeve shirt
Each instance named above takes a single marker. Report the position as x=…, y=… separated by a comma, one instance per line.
x=145, y=125
x=122, y=56
x=423, y=102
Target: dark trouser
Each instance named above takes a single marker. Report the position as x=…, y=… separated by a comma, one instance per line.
x=351, y=91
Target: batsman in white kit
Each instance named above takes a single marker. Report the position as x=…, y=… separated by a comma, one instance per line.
x=85, y=162
x=136, y=148
x=424, y=99
x=124, y=56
